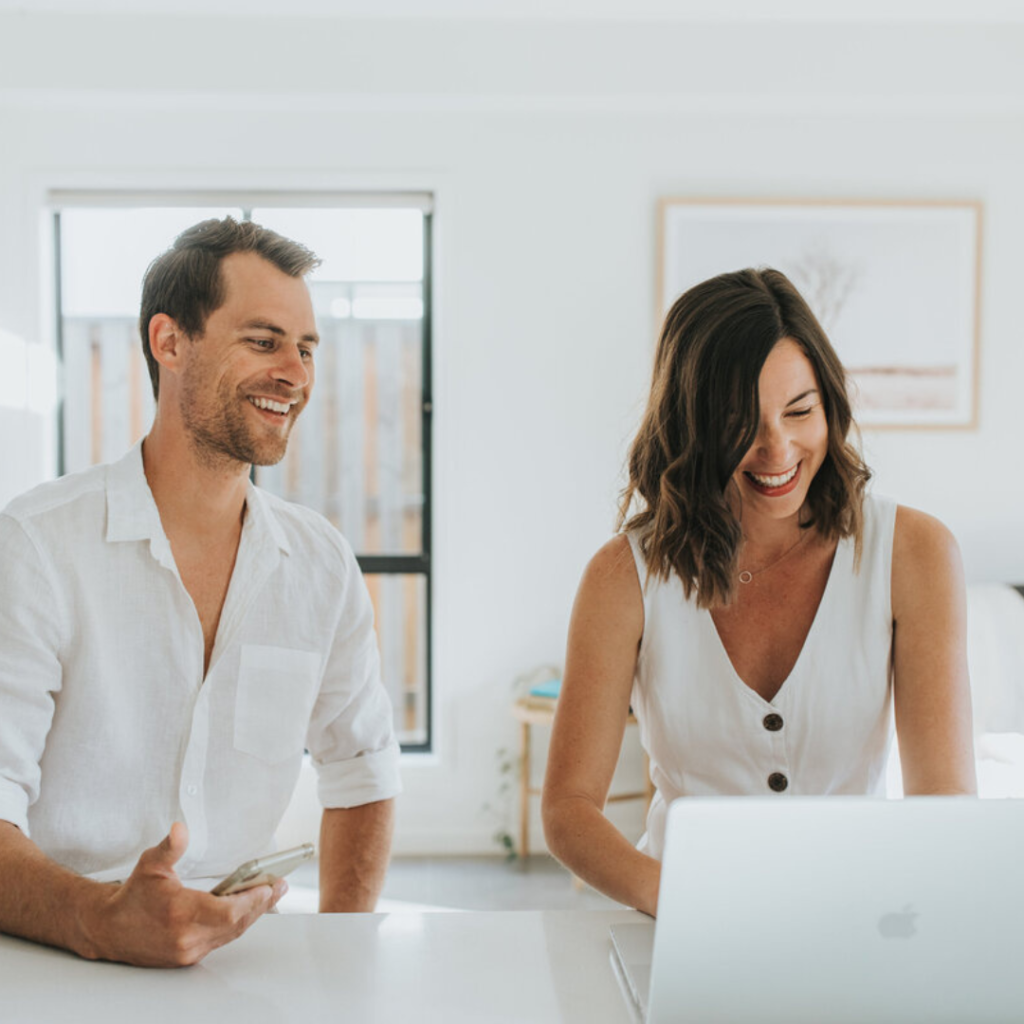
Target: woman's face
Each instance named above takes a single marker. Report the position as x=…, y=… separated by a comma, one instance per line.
x=792, y=437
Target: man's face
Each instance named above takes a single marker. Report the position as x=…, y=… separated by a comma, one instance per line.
x=249, y=376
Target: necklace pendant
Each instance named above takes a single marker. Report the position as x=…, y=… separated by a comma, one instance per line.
x=746, y=576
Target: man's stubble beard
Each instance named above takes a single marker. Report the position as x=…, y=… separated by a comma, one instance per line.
x=222, y=434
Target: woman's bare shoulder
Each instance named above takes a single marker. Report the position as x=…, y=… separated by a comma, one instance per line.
x=614, y=559
x=920, y=538
x=610, y=587
x=926, y=563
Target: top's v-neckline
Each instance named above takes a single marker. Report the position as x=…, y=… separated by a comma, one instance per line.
x=734, y=674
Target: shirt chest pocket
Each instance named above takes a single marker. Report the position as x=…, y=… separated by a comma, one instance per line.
x=276, y=690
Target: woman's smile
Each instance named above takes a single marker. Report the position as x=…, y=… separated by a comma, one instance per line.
x=774, y=485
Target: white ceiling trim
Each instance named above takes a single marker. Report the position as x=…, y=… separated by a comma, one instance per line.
x=776, y=103
x=584, y=11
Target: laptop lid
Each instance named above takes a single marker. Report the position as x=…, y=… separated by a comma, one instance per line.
x=842, y=909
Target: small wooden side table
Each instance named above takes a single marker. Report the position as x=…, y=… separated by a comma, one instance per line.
x=529, y=714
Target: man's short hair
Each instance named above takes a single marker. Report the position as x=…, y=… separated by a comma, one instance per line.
x=186, y=282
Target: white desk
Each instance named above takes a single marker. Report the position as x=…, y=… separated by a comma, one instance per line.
x=525, y=967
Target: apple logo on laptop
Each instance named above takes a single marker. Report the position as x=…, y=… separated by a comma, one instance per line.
x=898, y=925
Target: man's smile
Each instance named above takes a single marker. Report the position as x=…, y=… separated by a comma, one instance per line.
x=277, y=408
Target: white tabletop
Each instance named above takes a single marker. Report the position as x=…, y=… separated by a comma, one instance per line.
x=530, y=966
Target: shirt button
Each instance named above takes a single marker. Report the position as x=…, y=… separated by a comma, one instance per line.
x=772, y=722
x=191, y=790
x=777, y=782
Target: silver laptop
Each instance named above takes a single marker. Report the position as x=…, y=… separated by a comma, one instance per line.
x=842, y=910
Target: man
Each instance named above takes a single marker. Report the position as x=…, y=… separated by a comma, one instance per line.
x=171, y=637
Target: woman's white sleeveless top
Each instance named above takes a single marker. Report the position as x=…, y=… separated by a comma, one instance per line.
x=827, y=730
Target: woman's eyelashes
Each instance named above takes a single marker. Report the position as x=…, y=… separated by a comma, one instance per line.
x=800, y=414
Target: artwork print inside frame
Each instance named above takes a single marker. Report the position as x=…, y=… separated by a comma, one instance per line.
x=893, y=284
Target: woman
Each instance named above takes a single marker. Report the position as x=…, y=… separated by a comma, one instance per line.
x=759, y=613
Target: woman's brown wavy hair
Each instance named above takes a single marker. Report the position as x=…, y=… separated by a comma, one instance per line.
x=702, y=417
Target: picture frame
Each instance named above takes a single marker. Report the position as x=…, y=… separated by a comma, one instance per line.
x=894, y=283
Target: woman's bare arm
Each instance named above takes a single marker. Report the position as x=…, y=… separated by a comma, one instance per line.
x=604, y=638
x=931, y=687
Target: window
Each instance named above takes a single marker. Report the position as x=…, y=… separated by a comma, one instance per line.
x=360, y=454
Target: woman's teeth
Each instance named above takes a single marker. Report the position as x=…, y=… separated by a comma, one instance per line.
x=774, y=481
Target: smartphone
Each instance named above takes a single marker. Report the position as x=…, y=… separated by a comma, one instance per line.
x=263, y=870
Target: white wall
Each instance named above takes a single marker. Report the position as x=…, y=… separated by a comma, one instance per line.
x=547, y=146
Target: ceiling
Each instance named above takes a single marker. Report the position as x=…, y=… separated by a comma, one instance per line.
x=859, y=11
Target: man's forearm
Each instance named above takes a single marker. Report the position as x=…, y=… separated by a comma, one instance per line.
x=355, y=845
x=42, y=901
x=150, y=919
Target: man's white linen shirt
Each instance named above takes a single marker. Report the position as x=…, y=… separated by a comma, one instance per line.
x=109, y=731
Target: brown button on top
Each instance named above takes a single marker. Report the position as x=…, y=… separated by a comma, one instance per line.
x=772, y=722
x=777, y=782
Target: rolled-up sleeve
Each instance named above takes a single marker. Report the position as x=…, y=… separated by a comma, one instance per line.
x=30, y=668
x=351, y=735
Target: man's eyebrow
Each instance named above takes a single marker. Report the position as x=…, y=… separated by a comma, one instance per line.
x=801, y=396
x=267, y=325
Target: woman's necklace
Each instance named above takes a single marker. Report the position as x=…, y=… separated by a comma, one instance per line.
x=746, y=575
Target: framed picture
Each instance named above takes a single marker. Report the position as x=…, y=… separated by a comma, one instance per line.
x=894, y=284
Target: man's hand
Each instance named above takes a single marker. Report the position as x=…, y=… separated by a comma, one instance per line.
x=152, y=920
